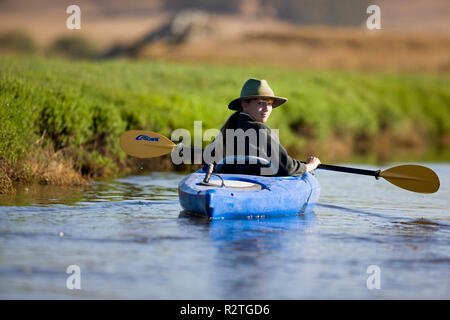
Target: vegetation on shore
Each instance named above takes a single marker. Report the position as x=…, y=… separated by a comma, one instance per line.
x=61, y=120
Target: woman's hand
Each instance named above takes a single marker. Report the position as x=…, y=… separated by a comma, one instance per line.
x=312, y=163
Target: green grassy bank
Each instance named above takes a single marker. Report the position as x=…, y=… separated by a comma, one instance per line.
x=61, y=120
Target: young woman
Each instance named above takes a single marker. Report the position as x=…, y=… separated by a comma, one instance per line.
x=253, y=109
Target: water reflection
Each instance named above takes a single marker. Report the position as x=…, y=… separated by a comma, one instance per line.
x=260, y=234
x=158, y=186
x=42, y=195
x=254, y=233
x=249, y=252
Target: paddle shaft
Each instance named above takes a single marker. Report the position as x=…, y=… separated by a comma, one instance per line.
x=373, y=173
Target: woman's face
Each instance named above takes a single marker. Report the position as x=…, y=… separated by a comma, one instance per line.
x=259, y=109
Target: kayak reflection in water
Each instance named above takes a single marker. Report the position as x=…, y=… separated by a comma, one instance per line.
x=245, y=133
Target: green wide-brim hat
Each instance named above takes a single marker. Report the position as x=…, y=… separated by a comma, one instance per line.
x=254, y=88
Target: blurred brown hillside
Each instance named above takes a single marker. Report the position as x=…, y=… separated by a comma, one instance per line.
x=424, y=15
x=415, y=35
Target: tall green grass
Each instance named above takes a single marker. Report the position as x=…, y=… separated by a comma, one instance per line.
x=83, y=107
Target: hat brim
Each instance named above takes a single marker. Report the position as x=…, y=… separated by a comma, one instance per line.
x=236, y=103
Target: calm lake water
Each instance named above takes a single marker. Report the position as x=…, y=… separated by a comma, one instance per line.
x=130, y=242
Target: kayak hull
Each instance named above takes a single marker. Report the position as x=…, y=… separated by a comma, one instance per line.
x=278, y=196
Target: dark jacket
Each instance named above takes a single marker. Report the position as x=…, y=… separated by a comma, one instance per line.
x=256, y=138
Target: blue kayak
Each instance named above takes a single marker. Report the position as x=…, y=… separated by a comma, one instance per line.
x=247, y=196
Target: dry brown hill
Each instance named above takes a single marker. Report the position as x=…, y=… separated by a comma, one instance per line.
x=414, y=36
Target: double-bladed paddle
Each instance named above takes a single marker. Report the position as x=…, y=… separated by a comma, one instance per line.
x=147, y=144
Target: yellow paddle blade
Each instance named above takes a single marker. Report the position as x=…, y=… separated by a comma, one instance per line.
x=412, y=177
x=145, y=144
